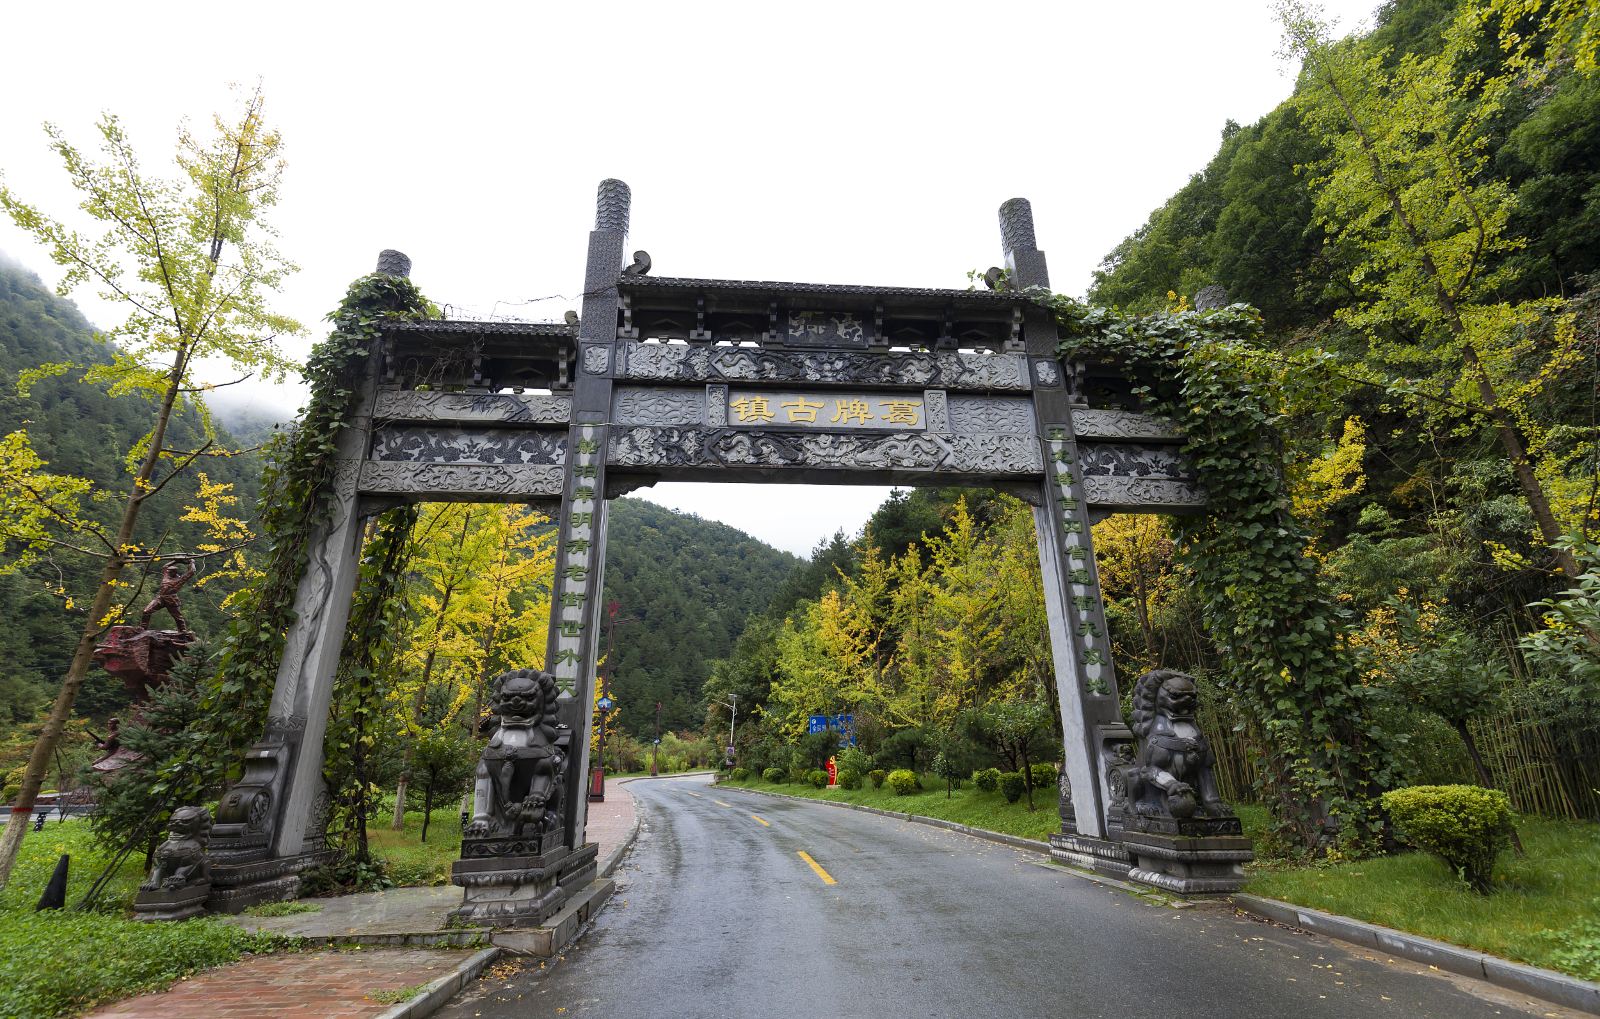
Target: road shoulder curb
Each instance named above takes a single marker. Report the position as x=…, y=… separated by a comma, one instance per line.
x=1545, y=984
x=438, y=992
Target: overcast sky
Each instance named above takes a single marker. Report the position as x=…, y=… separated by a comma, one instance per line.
x=821, y=142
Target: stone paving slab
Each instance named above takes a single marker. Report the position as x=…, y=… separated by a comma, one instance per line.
x=295, y=985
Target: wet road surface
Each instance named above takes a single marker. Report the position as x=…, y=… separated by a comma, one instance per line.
x=741, y=905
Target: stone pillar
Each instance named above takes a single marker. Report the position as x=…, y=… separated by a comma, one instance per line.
x=575, y=608
x=1086, y=683
x=268, y=814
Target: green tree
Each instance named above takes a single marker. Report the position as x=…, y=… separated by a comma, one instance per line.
x=1405, y=188
x=190, y=260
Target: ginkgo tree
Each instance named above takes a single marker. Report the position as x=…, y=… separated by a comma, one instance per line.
x=478, y=598
x=1407, y=197
x=190, y=261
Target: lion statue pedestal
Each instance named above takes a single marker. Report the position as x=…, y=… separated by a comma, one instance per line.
x=516, y=869
x=1181, y=835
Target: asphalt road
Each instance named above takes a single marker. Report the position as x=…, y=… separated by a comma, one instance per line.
x=735, y=904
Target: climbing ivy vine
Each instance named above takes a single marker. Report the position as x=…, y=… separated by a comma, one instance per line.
x=296, y=497
x=1264, y=601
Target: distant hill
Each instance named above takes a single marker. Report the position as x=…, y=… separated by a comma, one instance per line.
x=80, y=430
x=689, y=583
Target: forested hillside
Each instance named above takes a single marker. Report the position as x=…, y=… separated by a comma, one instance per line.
x=1419, y=226
x=80, y=430
x=684, y=589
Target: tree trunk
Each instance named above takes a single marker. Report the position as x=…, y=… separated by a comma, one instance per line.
x=399, y=821
x=1027, y=777
x=1484, y=779
x=43, y=750
x=427, y=809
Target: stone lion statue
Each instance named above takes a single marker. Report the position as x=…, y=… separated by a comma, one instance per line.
x=181, y=860
x=1171, y=776
x=519, y=779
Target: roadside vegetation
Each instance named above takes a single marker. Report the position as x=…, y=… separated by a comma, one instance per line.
x=62, y=962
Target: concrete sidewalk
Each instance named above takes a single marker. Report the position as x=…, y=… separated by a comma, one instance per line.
x=376, y=944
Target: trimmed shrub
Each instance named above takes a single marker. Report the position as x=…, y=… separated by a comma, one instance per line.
x=876, y=776
x=903, y=782
x=773, y=775
x=1466, y=826
x=1012, y=785
x=854, y=758
x=739, y=774
x=849, y=778
x=987, y=780
x=1042, y=776
x=817, y=777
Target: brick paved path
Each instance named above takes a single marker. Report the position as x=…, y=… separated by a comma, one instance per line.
x=609, y=822
x=335, y=984
x=301, y=985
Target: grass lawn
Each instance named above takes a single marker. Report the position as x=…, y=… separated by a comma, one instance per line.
x=59, y=963
x=408, y=859
x=967, y=805
x=1545, y=909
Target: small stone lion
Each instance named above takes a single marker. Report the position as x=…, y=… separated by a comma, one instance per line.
x=181, y=861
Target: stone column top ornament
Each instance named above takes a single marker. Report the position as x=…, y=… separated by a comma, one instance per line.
x=1016, y=226
x=393, y=263
x=612, y=205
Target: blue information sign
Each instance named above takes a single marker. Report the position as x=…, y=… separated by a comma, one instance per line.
x=604, y=703
x=844, y=725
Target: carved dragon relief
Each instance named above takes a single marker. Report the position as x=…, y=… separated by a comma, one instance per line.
x=468, y=445
x=486, y=408
x=976, y=414
x=1121, y=459
x=487, y=479
x=634, y=405
x=1121, y=424
x=725, y=447
x=945, y=369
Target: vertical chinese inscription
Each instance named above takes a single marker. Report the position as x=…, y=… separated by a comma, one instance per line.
x=575, y=585
x=1086, y=624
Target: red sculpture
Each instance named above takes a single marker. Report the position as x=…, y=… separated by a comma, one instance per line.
x=141, y=657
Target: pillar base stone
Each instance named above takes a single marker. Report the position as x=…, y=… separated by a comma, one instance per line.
x=1207, y=865
x=520, y=891
x=1102, y=856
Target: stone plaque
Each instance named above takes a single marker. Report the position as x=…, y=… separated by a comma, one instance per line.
x=831, y=411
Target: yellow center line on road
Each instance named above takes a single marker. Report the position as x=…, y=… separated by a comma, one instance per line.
x=695, y=795
x=721, y=804
x=762, y=821
x=827, y=878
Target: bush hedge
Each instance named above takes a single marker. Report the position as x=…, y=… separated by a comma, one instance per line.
x=1012, y=785
x=774, y=775
x=903, y=782
x=1466, y=826
x=739, y=774
x=850, y=778
x=876, y=776
x=1042, y=776
x=817, y=777
x=987, y=780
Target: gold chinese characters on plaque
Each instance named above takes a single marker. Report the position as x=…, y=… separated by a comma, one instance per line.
x=896, y=411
